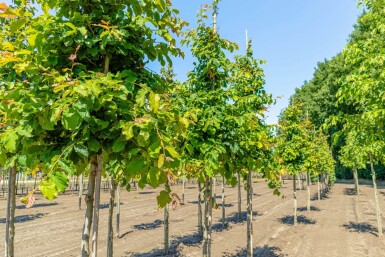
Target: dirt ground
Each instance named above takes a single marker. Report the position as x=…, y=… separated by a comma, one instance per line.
x=341, y=225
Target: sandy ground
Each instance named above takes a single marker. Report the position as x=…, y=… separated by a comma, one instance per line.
x=340, y=225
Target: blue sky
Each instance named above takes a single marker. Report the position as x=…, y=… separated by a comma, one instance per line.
x=292, y=36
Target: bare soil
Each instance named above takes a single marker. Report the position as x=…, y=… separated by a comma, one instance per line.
x=340, y=225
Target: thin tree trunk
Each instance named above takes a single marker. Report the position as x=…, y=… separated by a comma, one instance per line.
x=183, y=189
x=239, y=196
x=355, y=175
x=8, y=215
x=166, y=229
x=223, y=203
x=308, y=190
x=110, y=233
x=319, y=187
x=295, y=200
x=200, y=226
x=95, y=228
x=117, y=211
x=300, y=182
x=378, y=211
x=249, y=215
x=89, y=200
x=12, y=214
x=206, y=251
x=81, y=190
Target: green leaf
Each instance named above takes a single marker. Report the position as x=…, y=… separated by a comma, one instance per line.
x=161, y=5
x=48, y=189
x=71, y=119
x=82, y=150
x=172, y=152
x=128, y=130
x=136, y=165
x=17, y=24
x=153, y=177
x=66, y=167
x=10, y=140
x=82, y=31
x=60, y=180
x=3, y=157
x=163, y=199
x=93, y=145
x=143, y=138
x=154, y=102
x=141, y=96
x=119, y=145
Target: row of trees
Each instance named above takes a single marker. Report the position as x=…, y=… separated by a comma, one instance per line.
x=77, y=98
x=345, y=99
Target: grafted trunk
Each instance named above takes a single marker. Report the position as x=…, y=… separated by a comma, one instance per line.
x=117, y=211
x=295, y=200
x=10, y=215
x=81, y=181
x=249, y=215
x=200, y=226
x=378, y=211
x=308, y=190
x=319, y=187
x=166, y=229
x=206, y=250
x=355, y=175
x=239, y=196
x=183, y=188
x=110, y=233
x=95, y=227
x=89, y=200
x=223, y=203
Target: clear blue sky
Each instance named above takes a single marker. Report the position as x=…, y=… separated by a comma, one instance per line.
x=292, y=36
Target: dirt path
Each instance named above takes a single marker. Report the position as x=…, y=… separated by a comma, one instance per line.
x=341, y=225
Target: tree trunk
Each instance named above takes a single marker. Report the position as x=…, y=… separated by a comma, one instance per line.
x=110, y=233
x=183, y=188
x=117, y=211
x=200, y=226
x=206, y=251
x=223, y=203
x=10, y=215
x=80, y=190
x=95, y=228
x=378, y=211
x=239, y=196
x=295, y=200
x=355, y=175
x=308, y=190
x=166, y=229
x=319, y=187
x=89, y=200
x=300, y=182
x=249, y=215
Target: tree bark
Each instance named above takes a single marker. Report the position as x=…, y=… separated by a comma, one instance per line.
x=200, y=226
x=118, y=211
x=10, y=215
x=319, y=187
x=166, y=229
x=295, y=200
x=223, y=203
x=308, y=190
x=183, y=189
x=239, y=196
x=95, y=228
x=81, y=181
x=355, y=175
x=206, y=250
x=249, y=215
x=378, y=211
x=110, y=233
x=89, y=200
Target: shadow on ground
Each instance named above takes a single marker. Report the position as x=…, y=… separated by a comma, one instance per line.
x=36, y=205
x=176, y=246
x=289, y=220
x=265, y=251
x=361, y=228
x=106, y=206
x=312, y=208
x=26, y=218
x=349, y=191
x=149, y=226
